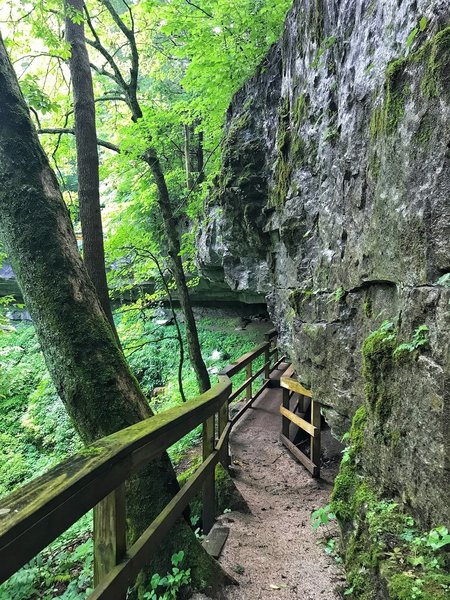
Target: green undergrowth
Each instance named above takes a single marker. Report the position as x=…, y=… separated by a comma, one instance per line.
x=36, y=432
x=383, y=547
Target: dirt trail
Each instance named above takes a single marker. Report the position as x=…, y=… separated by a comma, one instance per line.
x=273, y=552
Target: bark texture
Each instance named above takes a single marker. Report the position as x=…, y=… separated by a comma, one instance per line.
x=87, y=156
x=88, y=369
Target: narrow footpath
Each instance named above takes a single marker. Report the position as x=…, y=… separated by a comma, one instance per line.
x=273, y=552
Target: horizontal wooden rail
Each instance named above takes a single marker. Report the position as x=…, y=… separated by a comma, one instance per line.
x=313, y=431
x=38, y=512
x=247, y=382
x=295, y=386
x=248, y=404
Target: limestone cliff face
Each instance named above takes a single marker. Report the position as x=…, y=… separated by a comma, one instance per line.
x=334, y=201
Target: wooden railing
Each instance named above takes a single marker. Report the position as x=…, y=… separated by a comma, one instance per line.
x=291, y=386
x=37, y=513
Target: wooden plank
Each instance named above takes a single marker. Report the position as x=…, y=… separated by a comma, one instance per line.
x=209, y=486
x=110, y=544
x=35, y=514
x=141, y=552
x=315, y=441
x=242, y=362
x=239, y=391
x=295, y=386
x=248, y=404
x=313, y=431
x=248, y=381
x=306, y=462
x=289, y=372
x=215, y=540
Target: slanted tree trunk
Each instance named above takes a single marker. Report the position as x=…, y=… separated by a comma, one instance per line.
x=173, y=243
x=89, y=370
x=87, y=155
x=187, y=156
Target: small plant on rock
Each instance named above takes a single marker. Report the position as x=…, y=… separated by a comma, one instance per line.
x=419, y=340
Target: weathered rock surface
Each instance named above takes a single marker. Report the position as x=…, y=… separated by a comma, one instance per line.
x=334, y=201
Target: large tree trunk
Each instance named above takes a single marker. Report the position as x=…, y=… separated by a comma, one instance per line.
x=87, y=367
x=87, y=155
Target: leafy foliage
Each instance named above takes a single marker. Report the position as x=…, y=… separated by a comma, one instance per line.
x=168, y=587
x=322, y=516
x=419, y=340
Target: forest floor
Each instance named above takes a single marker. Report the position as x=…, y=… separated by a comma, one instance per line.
x=273, y=552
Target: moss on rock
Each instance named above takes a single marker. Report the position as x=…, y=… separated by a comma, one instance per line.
x=378, y=350
x=434, y=56
x=383, y=549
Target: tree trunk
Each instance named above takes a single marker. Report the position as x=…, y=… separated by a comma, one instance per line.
x=173, y=242
x=89, y=370
x=87, y=156
x=187, y=156
x=200, y=158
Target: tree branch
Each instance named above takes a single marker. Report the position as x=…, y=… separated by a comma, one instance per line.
x=130, y=89
x=96, y=43
x=59, y=130
x=209, y=15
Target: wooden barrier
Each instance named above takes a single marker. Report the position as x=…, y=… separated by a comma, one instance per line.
x=38, y=512
x=290, y=386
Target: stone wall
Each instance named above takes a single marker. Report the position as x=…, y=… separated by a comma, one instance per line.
x=334, y=201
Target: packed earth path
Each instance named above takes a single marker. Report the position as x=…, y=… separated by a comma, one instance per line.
x=273, y=552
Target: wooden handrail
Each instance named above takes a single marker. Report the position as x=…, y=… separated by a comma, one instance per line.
x=270, y=335
x=245, y=360
x=44, y=508
x=291, y=386
x=123, y=575
x=35, y=514
x=295, y=386
x=247, y=382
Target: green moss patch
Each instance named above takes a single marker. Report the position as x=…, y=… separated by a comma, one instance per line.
x=434, y=55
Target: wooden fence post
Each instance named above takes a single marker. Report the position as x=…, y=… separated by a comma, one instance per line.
x=249, y=373
x=223, y=422
x=284, y=420
x=209, y=487
x=315, y=441
x=110, y=544
x=267, y=361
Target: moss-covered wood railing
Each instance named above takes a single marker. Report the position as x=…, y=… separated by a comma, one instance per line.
x=37, y=513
